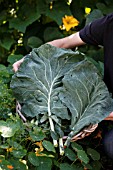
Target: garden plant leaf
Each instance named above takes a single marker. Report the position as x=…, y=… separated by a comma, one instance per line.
x=54, y=82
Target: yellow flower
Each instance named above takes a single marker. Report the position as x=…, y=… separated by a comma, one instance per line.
x=9, y=149
x=38, y=153
x=69, y=22
x=87, y=10
x=39, y=144
x=10, y=167
x=39, y=149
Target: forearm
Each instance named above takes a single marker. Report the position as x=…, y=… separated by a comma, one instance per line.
x=71, y=41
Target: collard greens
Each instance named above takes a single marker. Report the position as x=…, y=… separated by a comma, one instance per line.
x=53, y=85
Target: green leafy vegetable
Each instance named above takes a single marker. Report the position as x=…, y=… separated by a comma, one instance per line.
x=54, y=85
x=9, y=128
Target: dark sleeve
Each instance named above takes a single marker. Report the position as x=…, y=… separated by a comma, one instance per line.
x=94, y=32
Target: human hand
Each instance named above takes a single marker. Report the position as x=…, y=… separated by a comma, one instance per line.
x=17, y=64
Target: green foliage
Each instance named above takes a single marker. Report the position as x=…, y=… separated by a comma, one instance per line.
x=7, y=101
x=27, y=25
x=6, y=97
x=23, y=26
x=59, y=83
x=20, y=150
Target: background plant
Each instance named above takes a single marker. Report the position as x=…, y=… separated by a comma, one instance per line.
x=23, y=26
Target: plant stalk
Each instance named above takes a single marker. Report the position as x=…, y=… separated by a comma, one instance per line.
x=55, y=143
x=61, y=146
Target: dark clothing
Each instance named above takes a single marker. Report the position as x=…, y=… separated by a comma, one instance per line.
x=108, y=143
x=100, y=32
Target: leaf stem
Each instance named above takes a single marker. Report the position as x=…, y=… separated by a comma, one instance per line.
x=61, y=147
x=52, y=129
x=68, y=140
x=49, y=114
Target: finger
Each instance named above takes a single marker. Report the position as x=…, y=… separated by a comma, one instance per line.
x=15, y=67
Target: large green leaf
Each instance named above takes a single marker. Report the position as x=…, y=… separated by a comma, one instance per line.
x=86, y=96
x=52, y=82
x=38, y=88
